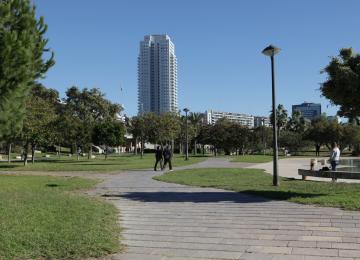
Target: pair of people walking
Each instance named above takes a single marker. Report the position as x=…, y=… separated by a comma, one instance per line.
x=163, y=156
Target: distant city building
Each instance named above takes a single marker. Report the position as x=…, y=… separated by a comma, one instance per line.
x=157, y=75
x=213, y=116
x=308, y=110
x=261, y=121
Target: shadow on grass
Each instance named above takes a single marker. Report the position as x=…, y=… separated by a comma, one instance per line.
x=9, y=166
x=52, y=185
x=99, y=164
x=199, y=156
x=280, y=195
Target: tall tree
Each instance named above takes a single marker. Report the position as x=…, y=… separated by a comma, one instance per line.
x=39, y=119
x=169, y=128
x=87, y=107
x=138, y=130
x=293, y=141
x=323, y=131
x=261, y=138
x=238, y=138
x=220, y=135
x=24, y=58
x=342, y=86
x=108, y=133
x=196, y=119
x=204, y=136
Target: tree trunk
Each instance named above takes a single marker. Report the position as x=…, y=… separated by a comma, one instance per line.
x=172, y=146
x=59, y=150
x=9, y=153
x=33, y=153
x=26, y=153
x=106, y=149
x=142, y=148
x=77, y=152
x=195, y=147
x=203, y=149
x=180, y=148
x=215, y=151
x=136, y=145
x=90, y=152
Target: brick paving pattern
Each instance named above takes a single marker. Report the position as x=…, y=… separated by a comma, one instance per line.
x=171, y=221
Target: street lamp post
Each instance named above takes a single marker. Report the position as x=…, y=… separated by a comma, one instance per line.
x=271, y=51
x=186, y=110
x=263, y=134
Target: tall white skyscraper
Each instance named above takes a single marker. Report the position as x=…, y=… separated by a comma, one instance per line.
x=157, y=75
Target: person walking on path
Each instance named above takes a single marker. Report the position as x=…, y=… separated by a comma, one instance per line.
x=167, y=157
x=335, y=156
x=158, y=158
x=317, y=150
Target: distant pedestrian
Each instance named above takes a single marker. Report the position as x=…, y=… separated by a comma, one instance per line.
x=158, y=158
x=334, y=156
x=167, y=157
x=317, y=150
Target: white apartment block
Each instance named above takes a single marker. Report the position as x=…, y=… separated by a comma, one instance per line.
x=157, y=75
x=243, y=119
x=261, y=121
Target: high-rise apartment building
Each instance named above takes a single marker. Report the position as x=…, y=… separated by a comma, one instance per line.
x=308, y=110
x=157, y=75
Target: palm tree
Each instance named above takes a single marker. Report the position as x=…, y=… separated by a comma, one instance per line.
x=297, y=122
x=196, y=119
x=281, y=118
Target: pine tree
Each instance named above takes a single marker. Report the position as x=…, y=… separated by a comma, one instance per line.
x=22, y=61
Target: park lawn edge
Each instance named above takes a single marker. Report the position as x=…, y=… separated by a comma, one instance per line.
x=112, y=165
x=61, y=205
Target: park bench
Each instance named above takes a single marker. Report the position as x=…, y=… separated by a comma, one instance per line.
x=334, y=175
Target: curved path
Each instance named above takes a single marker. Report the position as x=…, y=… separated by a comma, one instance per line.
x=170, y=221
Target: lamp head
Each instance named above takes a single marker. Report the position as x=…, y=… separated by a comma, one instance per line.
x=270, y=50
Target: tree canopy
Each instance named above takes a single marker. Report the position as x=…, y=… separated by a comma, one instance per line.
x=24, y=58
x=342, y=86
x=109, y=133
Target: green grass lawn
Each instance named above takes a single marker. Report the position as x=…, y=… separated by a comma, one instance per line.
x=252, y=158
x=257, y=182
x=42, y=217
x=99, y=164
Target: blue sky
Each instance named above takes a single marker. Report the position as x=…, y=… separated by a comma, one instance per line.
x=218, y=45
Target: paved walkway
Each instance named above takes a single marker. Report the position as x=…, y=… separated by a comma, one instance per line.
x=171, y=221
x=289, y=168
